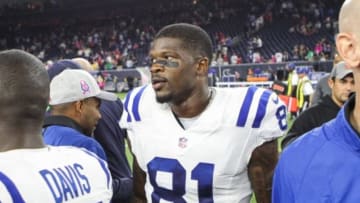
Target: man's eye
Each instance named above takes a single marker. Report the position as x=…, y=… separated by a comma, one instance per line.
x=172, y=62
x=162, y=62
x=168, y=62
x=170, y=58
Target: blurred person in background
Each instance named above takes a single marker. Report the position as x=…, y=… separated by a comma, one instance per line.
x=322, y=87
x=341, y=84
x=322, y=165
x=292, y=79
x=304, y=89
x=113, y=140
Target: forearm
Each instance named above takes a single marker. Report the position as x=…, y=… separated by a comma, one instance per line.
x=261, y=169
x=139, y=183
x=138, y=200
x=122, y=189
x=259, y=185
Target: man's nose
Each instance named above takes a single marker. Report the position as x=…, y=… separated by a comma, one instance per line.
x=156, y=67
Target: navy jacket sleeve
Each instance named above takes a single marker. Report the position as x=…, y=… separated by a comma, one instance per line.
x=112, y=138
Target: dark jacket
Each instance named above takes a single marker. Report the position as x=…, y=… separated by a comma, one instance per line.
x=112, y=138
x=63, y=131
x=311, y=118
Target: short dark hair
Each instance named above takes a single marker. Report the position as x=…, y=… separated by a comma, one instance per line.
x=194, y=38
x=24, y=86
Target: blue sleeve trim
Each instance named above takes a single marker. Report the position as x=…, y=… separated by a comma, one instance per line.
x=126, y=105
x=10, y=186
x=135, y=107
x=103, y=166
x=245, y=108
x=261, y=109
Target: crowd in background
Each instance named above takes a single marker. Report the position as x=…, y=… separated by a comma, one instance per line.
x=113, y=37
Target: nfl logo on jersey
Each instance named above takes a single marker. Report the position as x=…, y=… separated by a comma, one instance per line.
x=182, y=142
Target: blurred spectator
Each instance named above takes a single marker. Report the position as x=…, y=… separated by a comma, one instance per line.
x=304, y=89
x=322, y=89
x=113, y=140
x=292, y=79
x=234, y=59
x=341, y=83
x=110, y=32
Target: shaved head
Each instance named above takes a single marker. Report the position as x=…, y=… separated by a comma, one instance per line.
x=24, y=85
x=347, y=40
x=83, y=63
x=349, y=16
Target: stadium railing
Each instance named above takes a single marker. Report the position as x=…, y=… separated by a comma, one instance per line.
x=220, y=76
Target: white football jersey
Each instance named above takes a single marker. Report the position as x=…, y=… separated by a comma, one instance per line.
x=208, y=161
x=53, y=174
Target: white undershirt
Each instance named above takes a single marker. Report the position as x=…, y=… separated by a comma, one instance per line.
x=188, y=122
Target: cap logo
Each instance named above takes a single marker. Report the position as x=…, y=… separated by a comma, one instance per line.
x=84, y=87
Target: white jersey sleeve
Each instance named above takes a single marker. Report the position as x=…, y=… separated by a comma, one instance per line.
x=54, y=174
x=208, y=161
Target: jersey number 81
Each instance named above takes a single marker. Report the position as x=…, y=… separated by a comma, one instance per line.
x=202, y=173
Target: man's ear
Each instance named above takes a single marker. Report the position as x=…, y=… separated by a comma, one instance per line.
x=78, y=105
x=331, y=82
x=203, y=66
x=348, y=49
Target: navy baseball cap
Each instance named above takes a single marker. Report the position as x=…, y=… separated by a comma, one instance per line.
x=57, y=67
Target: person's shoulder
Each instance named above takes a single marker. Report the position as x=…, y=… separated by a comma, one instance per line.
x=139, y=95
x=60, y=130
x=242, y=92
x=140, y=102
x=311, y=111
x=249, y=98
x=75, y=138
x=139, y=91
x=23, y=156
x=303, y=150
x=251, y=107
x=86, y=141
x=86, y=152
x=324, y=79
x=47, y=168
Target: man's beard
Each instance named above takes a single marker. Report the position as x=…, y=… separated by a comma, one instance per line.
x=164, y=98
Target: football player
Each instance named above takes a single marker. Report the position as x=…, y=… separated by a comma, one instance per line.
x=30, y=171
x=195, y=143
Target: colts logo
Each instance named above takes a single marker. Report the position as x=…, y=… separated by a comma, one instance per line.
x=84, y=87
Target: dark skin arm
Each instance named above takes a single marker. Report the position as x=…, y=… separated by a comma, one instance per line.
x=261, y=168
x=139, y=178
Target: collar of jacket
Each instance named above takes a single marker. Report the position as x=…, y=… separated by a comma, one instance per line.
x=62, y=121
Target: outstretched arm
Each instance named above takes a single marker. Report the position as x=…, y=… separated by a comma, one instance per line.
x=139, y=183
x=261, y=168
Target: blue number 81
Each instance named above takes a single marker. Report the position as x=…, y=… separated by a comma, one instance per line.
x=203, y=173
